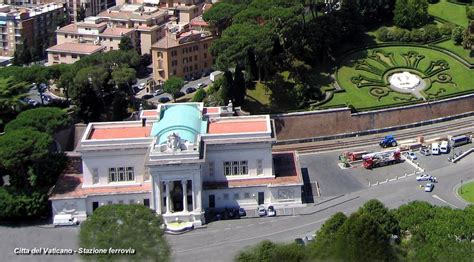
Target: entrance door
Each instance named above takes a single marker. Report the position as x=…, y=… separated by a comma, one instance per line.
x=95, y=205
x=261, y=198
x=212, y=201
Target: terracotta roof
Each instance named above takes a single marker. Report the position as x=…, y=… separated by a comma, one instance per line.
x=198, y=21
x=128, y=15
x=91, y=25
x=120, y=132
x=286, y=173
x=76, y=48
x=150, y=113
x=210, y=110
x=116, y=31
x=71, y=28
x=70, y=186
x=226, y=126
x=168, y=42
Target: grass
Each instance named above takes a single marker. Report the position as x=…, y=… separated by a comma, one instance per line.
x=360, y=98
x=457, y=49
x=257, y=99
x=467, y=192
x=452, y=12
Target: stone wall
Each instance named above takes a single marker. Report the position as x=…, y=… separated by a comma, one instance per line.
x=341, y=121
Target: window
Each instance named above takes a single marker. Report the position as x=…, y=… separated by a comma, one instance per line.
x=205, y=64
x=236, y=168
x=174, y=53
x=110, y=202
x=196, y=57
x=131, y=201
x=185, y=60
x=111, y=48
x=146, y=202
x=112, y=174
x=174, y=63
x=74, y=56
x=195, y=67
x=120, y=174
x=120, y=201
x=244, y=168
x=190, y=59
x=63, y=55
x=130, y=174
x=146, y=176
x=211, y=168
x=236, y=196
x=227, y=169
x=205, y=46
x=95, y=176
x=259, y=167
x=246, y=195
x=226, y=196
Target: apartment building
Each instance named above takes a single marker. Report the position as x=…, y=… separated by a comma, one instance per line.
x=182, y=54
x=142, y=24
x=30, y=23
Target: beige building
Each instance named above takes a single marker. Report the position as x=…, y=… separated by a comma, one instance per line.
x=68, y=53
x=182, y=54
x=32, y=24
x=142, y=24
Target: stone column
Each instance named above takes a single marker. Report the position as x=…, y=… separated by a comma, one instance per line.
x=168, y=197
x=184, y=183
x=158, y=188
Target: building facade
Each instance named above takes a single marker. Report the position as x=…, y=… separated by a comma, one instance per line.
x=181, y=160
x=182, y=54
x=33, y=25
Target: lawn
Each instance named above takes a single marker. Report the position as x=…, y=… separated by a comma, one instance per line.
x=378, y=94
x=457, y=49
x=257, y=99
x=452, y=12
x=467, y=192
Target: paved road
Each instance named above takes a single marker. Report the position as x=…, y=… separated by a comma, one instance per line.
x=222, y=240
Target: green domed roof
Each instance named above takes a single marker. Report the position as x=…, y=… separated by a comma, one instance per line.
x=185, y=120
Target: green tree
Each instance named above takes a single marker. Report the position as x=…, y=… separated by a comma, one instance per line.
x=81, y=13
x=411, y=13
x=10, y=94
x=173, y=86
x=16, y=206
x=199, y=96
x=225, y=92
x=123, y=77
x=125, y=43
x=326, y=237
x=22, y=153
x=239, y=86
x=45, y=119
x=375, y=209
x=457, y=35
x=125, y=226
x=220, y=15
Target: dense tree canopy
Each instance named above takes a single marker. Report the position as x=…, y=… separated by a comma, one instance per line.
x=411, y=13
x=125, y=226
x=45, y=119
x=125, y=43
x=173, y=86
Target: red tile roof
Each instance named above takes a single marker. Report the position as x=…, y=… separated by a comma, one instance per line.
x=71, y=28
x=70, y=186
x=120, y=132
x=150, y=113
x=210, y=110
x=237, y=126
x=116, y=31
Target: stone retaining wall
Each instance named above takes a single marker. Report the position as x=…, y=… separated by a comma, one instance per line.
x=331, y=122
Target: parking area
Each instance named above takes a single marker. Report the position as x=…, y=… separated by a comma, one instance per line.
x=332, y=180
x=433, y=162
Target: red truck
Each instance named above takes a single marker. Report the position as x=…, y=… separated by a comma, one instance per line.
x=383, y=158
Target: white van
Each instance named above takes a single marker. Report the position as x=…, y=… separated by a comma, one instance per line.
x=64, y=220
x=435, y=149
x=444, y=147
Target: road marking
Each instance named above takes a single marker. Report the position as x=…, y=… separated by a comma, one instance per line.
x=444, y=201
x=261, y=223
x=251, y=238
x=227, y=228
x=249, y=225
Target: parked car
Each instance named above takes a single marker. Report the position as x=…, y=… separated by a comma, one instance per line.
x=261, y=211
x=190, y=90
x=201, y=85
x=412, y=156
x=147, y=96
x=425, y=151
x=444, y=147
x=242, y=212
x=158, y=92
x=32, y=102
x=299, y=241
x=271, y=212
x=423, y=177
x=47, y=98
x=65, y=220
x=141, y=86
x=429, y=187
x=164, y=99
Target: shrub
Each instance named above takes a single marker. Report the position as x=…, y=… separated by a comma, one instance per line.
x=14, y=206
x=199, y=96
x=382, y=34
x=457, y=35
x=416, y=35
x=470, y=12
x=430, y=33
x=446, y=29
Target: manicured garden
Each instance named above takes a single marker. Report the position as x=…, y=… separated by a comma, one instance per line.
x=363, y=76
x=454, y=13
x=467, y=192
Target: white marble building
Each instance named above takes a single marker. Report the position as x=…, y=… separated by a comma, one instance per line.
x=180, y=160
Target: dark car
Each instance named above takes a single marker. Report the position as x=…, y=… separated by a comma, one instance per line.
x=179, y=94
x=163, y=99
x=147, y=96
x=190, y=90
x=242, y=212
x=47, y=98
x=299, y=241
